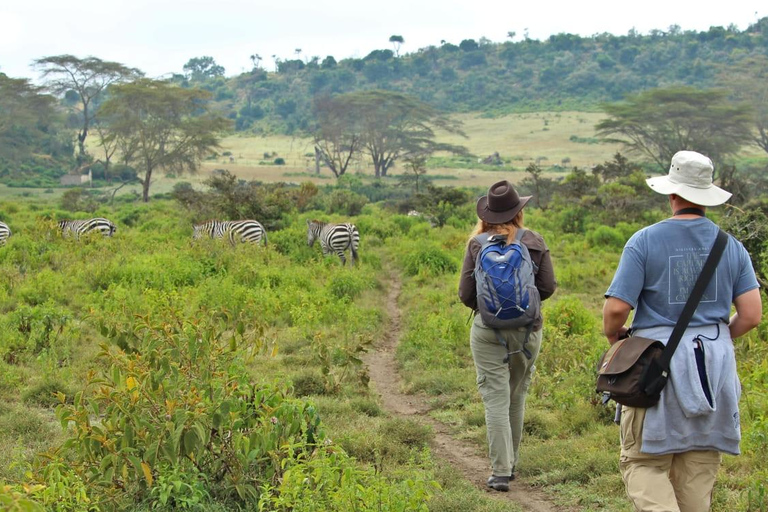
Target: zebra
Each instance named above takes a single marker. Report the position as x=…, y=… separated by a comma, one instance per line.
x=236, y=230
x=5, y=232
x=334, y=238
x=81, y=227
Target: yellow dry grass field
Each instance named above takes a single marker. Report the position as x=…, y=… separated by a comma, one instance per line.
x=523, y=138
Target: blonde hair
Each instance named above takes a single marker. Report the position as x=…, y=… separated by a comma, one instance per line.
x=508, y=228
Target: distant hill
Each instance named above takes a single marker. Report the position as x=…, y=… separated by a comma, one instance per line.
x=564, y=72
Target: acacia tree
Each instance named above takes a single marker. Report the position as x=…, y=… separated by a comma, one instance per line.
x=204, y=68
x=396, y=41
x=28, y=121
x=108, y=142
x=89, y=78
x=749, y=83
x=660, y=122
x=415, y=168
x=541, y=185
x=161, y=126
x=336, y=134
x=393, y=125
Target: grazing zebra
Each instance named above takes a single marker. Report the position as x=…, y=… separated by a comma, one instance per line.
x=334, y=238
x=81, y=227
x=236, y=230
x=5, y=232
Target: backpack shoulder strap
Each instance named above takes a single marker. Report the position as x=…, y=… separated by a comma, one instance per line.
x=519, y=239
x=483, y=238
x=490, y=238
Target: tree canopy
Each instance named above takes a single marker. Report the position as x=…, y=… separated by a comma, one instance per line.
x=202, y=68
x=749, y=83
x=89, y=78
x=660, y=122
x=26, y=115
x=562, y=72
x=397, y=41
x=161, y=126
x=336, y=134
x=393, y=125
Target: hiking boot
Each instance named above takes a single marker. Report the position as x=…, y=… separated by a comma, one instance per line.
x=499, y=483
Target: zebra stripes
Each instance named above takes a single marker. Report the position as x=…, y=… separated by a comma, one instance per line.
x=81, y=227
x=334, y=238
x=235, y=230
x=5, y=232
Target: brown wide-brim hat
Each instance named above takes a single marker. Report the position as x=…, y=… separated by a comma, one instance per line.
x=501, y=204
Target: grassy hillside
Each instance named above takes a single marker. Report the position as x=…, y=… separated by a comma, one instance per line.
x=556, y=141
x=520, y=139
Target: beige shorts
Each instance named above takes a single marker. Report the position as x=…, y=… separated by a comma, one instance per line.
x=680, y=482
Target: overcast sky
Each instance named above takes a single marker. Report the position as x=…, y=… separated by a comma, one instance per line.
x=160, y=36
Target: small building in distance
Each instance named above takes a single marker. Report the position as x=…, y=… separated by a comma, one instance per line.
x=76, y=179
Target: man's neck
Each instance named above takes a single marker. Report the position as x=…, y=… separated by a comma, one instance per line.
x=689, y=213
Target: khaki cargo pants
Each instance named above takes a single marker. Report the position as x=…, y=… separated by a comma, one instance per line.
x=680, y=482
x=503, y=387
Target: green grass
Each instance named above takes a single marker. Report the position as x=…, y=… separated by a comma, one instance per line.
x=571, y=446
x=313, y=317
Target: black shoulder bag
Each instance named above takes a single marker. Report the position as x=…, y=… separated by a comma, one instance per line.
x=635, y=370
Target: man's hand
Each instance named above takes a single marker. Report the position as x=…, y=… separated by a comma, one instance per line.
x=618, y=335
x=615, y=314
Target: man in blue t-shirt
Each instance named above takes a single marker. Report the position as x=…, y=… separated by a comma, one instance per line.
x=670, y=453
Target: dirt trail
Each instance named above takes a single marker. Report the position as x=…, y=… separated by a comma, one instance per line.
x=462, y=455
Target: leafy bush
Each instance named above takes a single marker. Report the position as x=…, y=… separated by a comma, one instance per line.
x=239, y=436
x=606, y=238
x=16, y=500
x=428, y=259
x=78, y=200
x=347, y=285
x=33, y=329
x=345, y=202
x=231, y=199
x=569, y=316
x=332, y=482
x=571, y=220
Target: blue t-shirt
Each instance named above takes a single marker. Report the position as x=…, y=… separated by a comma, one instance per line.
x=660, y=265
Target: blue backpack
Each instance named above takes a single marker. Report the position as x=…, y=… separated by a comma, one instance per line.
x=507, y=296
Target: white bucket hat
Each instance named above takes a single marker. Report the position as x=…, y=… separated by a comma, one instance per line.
x=690, y=177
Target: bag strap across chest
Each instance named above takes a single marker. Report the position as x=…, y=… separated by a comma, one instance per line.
x=707, y=271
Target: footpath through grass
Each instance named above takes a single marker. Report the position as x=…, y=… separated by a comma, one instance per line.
x=571, y=445
x=208, y=377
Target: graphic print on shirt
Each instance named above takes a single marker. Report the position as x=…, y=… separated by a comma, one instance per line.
x=684, y=269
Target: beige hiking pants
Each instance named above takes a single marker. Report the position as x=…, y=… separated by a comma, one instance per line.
x=503, y=387
x=680, y=482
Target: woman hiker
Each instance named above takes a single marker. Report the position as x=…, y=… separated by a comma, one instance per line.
x=505, y=357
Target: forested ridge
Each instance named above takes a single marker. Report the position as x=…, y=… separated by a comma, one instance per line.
x=565, y=71
x=43, y=129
